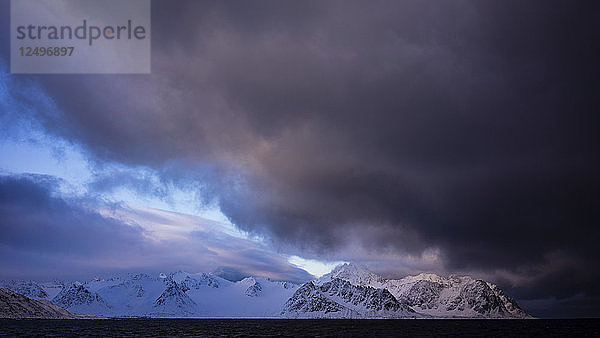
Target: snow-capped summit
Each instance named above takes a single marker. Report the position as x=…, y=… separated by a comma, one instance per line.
x=196, y=280
x=433, y=295
x=355, y=274
x=454, y=296
x=247, y=281
x=253, y=289
x=174, y=301
x=79, y=299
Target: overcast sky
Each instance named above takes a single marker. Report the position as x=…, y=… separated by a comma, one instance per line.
x=456, y=137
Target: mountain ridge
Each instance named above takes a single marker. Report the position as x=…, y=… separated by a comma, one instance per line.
x=348, y=291
x=437, y=296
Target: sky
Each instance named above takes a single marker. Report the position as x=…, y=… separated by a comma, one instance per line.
x=281, y=138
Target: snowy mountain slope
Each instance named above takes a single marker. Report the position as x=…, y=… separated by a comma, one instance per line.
x=178, y=294
x=174, y=301
x=29, y=289
x=437, y=296
x=455, y=297
x=130, y=295
x=78, y=299
x=250, y=297
x=310, y=302
x=338, y=298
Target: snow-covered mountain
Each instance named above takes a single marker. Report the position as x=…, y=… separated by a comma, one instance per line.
x=338, y=298
x=349, y=291
x=178, y=294
x=437, y=296
x=78, y=299
x=355, y=274
x=454, y=297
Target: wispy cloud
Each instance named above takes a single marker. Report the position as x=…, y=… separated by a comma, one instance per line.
x=44, y=235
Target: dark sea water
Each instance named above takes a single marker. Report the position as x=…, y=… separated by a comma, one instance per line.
x=301, y=327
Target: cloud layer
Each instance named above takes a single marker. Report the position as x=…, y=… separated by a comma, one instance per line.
x=44, y=235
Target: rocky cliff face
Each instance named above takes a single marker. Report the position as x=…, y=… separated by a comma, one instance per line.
x=339, y=298
x=310, y=302
x=76, y=295
x=436, y=296
x=174, y=300
x=462, y=297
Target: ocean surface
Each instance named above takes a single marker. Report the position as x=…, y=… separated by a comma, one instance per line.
x=301, y=327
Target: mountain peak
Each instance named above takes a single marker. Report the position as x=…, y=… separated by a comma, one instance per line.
x=344, y=269
x=351, y=267
x=248, y=280
x=355, y=274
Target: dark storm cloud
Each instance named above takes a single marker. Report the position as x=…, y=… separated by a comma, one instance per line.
x=466, y=126
x=42, y=231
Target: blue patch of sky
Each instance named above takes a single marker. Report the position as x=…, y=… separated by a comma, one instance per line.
x=26, y=148
x=316, y=268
